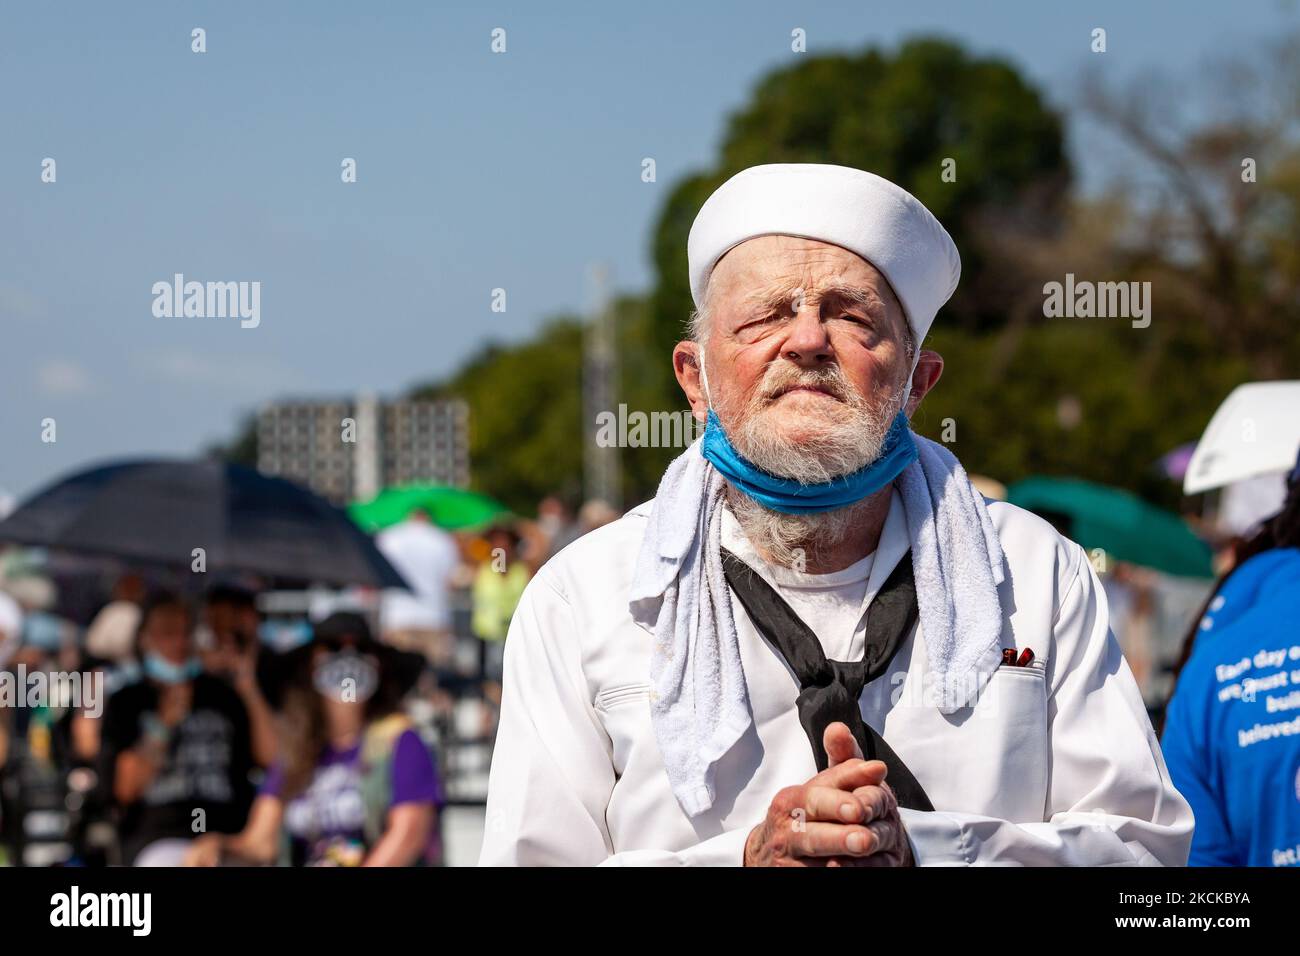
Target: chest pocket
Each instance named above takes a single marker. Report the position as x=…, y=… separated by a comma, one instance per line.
x=624, y=710
x=1005, y=746
x=621, y=695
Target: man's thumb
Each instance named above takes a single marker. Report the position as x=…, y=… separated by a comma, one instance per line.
x=840, y=745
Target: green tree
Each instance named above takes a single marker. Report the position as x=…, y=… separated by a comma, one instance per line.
x=1095, y=398
x=525, y=415
x=901, y=116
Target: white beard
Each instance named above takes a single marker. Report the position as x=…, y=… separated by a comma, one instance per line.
x=851, y=441
x=793, y=541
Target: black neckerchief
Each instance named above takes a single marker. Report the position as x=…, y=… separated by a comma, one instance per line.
x=829, y=690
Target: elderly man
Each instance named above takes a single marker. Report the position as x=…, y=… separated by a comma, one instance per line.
x=819, y=645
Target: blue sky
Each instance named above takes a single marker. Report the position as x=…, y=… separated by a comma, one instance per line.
x=475, y=171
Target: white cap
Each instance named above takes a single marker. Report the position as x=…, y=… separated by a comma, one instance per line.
x=1254, y=432
x=868, y=215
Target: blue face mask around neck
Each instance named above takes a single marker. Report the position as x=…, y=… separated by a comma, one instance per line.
x=165, y=672
x=789, y=496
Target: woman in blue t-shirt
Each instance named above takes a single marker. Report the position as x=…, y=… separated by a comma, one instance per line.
x=355, y=784
x=1232, y=730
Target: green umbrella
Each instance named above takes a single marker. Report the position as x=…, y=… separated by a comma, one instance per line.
x=1120, y=523
x=450, y=508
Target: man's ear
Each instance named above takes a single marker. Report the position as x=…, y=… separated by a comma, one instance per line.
x=686, y=366
x=929, y=368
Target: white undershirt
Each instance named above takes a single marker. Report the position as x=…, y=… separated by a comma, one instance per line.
x=831, y=604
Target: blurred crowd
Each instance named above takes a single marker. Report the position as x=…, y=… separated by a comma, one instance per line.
x=160, y=718
x=145, y=721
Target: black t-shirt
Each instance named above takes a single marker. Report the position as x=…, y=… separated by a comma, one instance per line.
x=209, y=758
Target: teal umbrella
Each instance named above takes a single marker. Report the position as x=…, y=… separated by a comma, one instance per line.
x=450, y=508
x=1118, y=522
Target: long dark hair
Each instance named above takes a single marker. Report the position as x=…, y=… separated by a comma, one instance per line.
x=305, y=732
x=1280, y=531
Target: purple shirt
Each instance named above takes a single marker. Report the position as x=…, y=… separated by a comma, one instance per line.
x=326, y=821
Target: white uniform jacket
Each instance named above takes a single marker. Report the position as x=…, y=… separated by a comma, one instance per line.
x=1055, y=764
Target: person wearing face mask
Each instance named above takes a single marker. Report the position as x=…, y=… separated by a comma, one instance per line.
x=176, y=750
x=1231, y=726
x=819, y=645
x=354, y=784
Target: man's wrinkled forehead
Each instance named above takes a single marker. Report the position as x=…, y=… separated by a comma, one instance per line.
x=773, y=271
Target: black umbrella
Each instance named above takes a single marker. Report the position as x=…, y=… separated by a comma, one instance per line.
x=160, y=511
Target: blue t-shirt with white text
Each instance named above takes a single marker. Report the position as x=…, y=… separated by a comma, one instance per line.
x=1232, y=734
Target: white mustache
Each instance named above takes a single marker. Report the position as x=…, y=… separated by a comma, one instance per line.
x=830, y=382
